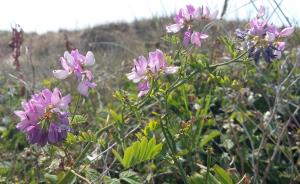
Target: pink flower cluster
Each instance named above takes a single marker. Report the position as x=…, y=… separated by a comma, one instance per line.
x=75, y=63
x=263, y=39
x=184, y=20
x=44, y=117
x=144, y=69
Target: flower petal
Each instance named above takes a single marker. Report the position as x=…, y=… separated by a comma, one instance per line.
x=89, y=58
x=286, y=31
x=144, y=88
x=186, y=38
x=69, y=58
x=195, y=39
x=64, y=102
x=53, y=134
x=83, y=88
x=56, y=96
x=60, y=74
x=174, y=28
x=270, y=37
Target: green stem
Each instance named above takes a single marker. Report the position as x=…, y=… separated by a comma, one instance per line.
x=179, y=82
x=209, y=151
x=171, y=143
x=230, y=61
x=75, y=110
x=172, y=147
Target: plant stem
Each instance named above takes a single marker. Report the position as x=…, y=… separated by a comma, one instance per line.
x=179, y=82
x=75, y=110
x=230, y=61
x=171, y=143
x=208, y=163
x=172, y=147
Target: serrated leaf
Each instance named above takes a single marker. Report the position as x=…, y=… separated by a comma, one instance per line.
x=209, y=137
x=222, y=175
x=130, y=177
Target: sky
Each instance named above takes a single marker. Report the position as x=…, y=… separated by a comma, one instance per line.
x=51, y=15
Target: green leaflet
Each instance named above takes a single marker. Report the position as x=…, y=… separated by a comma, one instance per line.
x=222, y=175
x=127, y=176
x=139, y=152
x=209, y=137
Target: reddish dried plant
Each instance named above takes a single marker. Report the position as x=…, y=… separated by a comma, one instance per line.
x=15, y=44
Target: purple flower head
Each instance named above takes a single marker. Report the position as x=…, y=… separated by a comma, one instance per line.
x=44, y=118
x=263, y=39
x=183, y=18
x=143, y=69
x=79, y=65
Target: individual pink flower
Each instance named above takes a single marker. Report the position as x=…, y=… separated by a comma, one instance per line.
x=139, y=71
x=84, y=86
x=44, y=117
x=158, y=63
x=197, y=38
x=79, y=65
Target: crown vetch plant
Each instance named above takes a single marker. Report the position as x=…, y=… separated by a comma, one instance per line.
x=44, y=117
x=208, y=122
